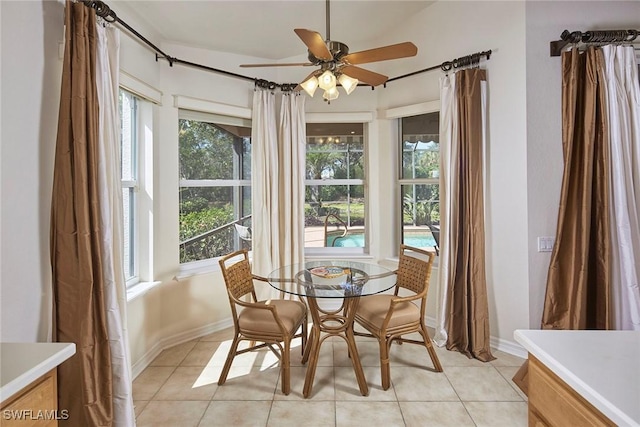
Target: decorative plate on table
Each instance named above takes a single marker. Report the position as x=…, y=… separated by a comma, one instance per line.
x=329, y=272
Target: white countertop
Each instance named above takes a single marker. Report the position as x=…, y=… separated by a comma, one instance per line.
x=23, y=363
x=601, y=366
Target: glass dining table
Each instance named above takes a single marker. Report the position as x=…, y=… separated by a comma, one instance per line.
x=332, y=279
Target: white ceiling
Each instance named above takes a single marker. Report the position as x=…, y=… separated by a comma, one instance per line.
x=264, y=28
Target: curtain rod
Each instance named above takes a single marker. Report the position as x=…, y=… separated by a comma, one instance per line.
x=463, y=61
x=591, y=37
x=105, y=12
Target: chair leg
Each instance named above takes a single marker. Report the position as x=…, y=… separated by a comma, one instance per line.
x=385, y=371
x=304, y=335
x=227, y=363
x=430, y=349
x=307, y=349
x=286, y=367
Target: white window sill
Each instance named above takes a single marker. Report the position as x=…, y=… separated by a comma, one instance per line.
x=327, y=253
x=196, y=268
x=187, y=271
x=139, y=289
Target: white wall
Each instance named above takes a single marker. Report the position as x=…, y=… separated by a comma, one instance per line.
x=545, y=22
x=31, y=73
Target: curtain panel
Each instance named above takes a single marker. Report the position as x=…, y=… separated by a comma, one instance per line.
x=85, y=380
x=292, y=152
x=468, y=311
x=111, y=221
x=623, y=114
x=278, y=165
x=264, y=185
x=449, y=143
x=579, y=278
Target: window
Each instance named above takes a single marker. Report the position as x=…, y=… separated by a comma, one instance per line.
x=129, y=133
x=420, y=180
x=215, y=185
x=335, y=202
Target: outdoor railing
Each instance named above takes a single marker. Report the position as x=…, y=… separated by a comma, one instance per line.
x=213, y=243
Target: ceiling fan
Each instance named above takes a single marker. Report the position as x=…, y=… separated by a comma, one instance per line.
x=338, y=65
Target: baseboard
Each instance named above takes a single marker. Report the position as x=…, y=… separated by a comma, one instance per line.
x=176, y=339
x=506, y=346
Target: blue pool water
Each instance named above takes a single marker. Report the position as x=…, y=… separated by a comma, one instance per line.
x=356, y=240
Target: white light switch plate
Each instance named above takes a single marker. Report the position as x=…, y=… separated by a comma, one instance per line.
x=545, y=244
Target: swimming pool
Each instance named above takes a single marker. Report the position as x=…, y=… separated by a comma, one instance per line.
x=355, y=239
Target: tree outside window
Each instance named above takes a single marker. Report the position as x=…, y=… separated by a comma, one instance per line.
x=420, y=179
x=215, y=187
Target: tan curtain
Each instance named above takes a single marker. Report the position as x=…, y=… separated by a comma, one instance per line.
x=468, y=310
x=85, y=380
x=578, y=282
x=277, y=186
x=292, y=144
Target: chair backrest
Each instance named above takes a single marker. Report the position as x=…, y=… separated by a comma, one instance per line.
x=237, y=275
x=414, y=273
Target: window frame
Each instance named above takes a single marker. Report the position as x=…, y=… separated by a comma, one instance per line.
x=398, y=114
x=134, y=186
x=192, y=267
x=147, y=98
x=366, y=119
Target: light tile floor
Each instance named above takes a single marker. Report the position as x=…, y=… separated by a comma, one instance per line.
x=180, y=388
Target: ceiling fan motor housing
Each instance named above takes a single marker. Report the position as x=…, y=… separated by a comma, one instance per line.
x=337, y=49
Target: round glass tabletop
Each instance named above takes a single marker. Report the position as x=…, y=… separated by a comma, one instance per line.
x=332, y=279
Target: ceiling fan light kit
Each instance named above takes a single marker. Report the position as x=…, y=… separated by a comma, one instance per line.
x=327, y=80
x=310, y=85
x=331, y=94
x=338, y=65
x=348, y=83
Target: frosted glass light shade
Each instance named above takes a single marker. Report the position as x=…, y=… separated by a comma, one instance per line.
x=348, y=83
x=310, y=85
x=327, y=80
x=331, y=94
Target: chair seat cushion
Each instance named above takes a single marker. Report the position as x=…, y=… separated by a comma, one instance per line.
x=260, y=321
x=373, y=309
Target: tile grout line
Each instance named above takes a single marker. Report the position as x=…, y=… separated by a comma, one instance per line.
x=334, y=374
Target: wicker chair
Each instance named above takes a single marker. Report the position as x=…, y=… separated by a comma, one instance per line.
x=388, y=317
x=272, y=323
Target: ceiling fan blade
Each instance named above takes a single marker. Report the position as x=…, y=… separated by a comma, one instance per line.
x=365, y=76
x=315, y=43
x=394, y=51
x=284, y=64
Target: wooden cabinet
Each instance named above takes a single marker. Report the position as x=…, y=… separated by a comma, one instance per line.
x=28, y=384
x=35, y=405
x=553, y=403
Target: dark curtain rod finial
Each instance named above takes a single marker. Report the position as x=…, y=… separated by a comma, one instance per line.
x=102, y=10
x=465, y=61
x=591, y=37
